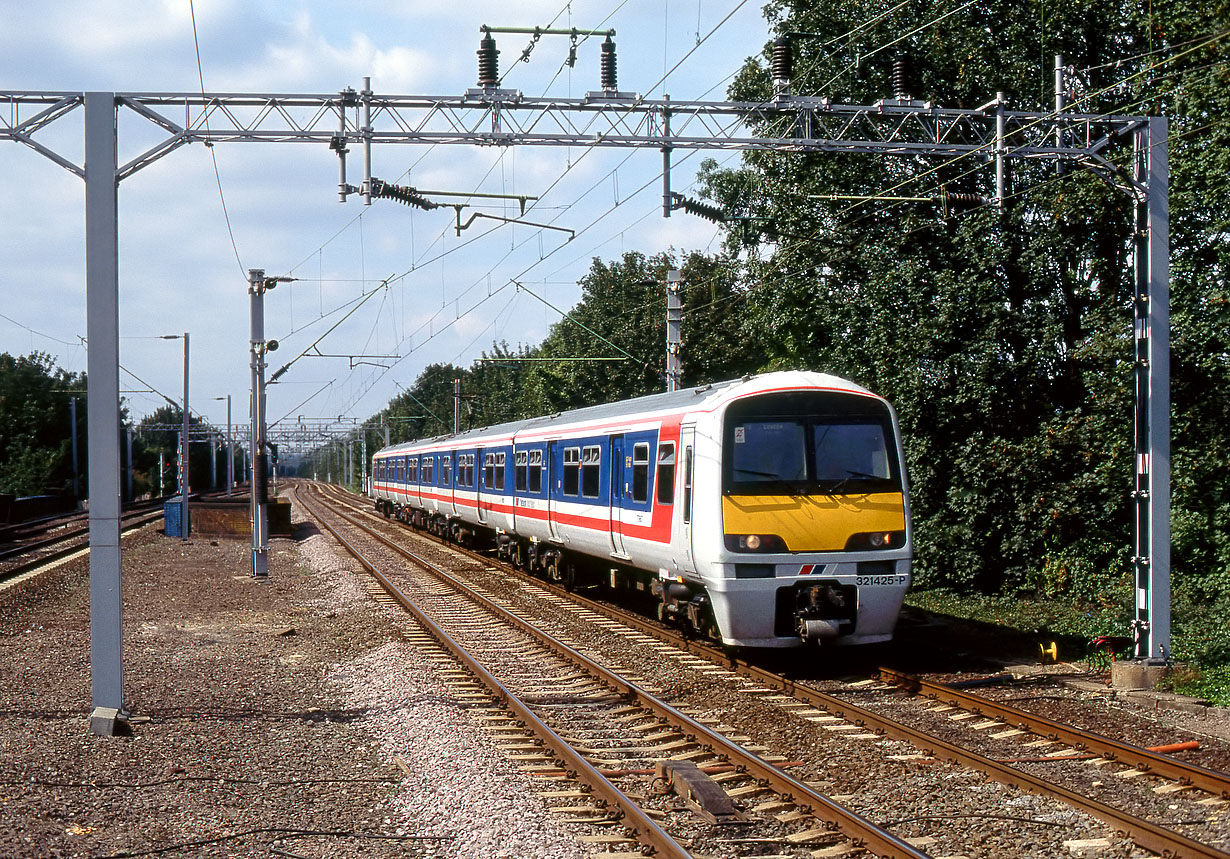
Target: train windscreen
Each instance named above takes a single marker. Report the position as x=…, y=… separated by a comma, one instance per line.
x=809, y=442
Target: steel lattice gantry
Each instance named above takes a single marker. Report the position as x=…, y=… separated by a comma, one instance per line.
x=491, y=116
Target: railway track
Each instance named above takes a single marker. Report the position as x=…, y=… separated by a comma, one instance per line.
x=610, y=733
x=27, y=559
x=841, y=716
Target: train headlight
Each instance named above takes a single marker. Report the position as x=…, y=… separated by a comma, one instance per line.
x=871, y=540
x=760, y=543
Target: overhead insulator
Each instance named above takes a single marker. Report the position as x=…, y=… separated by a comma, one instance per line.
x=901, y=70
x=607, y=60
x=402, y=194
x=700, y=210
x=963, y=201
x=782, y=70
x=488, y=62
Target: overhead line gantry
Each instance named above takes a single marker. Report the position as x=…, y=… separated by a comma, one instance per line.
x=493, y=116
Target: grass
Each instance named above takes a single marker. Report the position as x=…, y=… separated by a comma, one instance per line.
x=1201, y=674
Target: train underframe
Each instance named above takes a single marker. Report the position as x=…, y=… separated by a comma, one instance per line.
x=684, y=605
x=818, y=611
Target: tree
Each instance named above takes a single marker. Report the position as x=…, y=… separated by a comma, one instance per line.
x=622, y=315
x=158, y=433
x=1003, y=339
x=36, y=427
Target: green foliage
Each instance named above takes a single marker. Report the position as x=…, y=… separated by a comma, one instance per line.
x=622, y=315
x=157, y=434
x=35, y=425
x=1209, y=684
x=1005, y=340
x=1042, y=617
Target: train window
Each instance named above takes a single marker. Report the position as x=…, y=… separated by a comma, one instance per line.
x=535, y=471
x=640, y=473
x=687, y=484
x=522, y=469
x=851, y=449
x=489, y=470
x=572, y=471
x=412, y=472
x=769, y=450
x=591, y=463
x=446, y=471
x=666, y=473
x=499, y=470
x=429, y=471
x=465, y=469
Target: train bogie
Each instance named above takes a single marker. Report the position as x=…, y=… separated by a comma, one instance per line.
x=766, y=512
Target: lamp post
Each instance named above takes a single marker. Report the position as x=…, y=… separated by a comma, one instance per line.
x=183, y=447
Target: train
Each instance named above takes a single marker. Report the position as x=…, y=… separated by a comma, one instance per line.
x=769, y=511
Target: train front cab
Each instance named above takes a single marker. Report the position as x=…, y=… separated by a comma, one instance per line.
x=814, y=542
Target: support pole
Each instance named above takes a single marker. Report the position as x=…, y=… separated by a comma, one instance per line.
x=230, y=450
x=72, y=418
x=259, y=512
x=456, y=406
x=1001, y=150
x=674, y=329
x=366, y=112
x=667, y=197
x=184, y=488
x=103, y=420
x=1059, y=107
x=130, y=465
x=1151, y=498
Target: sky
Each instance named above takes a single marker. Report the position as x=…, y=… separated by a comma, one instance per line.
x=194, y=222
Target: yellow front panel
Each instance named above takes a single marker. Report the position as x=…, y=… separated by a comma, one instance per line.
x=813, y=523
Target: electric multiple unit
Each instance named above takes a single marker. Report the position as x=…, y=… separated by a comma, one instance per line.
x=765, y=512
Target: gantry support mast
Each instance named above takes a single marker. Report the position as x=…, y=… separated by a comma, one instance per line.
x=492, y=116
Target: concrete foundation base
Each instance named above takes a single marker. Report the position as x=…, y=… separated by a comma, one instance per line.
x=107, y=722
x=1137, y=674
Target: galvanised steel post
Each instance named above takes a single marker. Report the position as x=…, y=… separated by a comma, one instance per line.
x=1151, y=498
x=259, y=513
x=230, y=450
x=674, y=329
x=72, y=407
x=184, y=488
x=183, y=443
x=130, y=498
x=103, y=405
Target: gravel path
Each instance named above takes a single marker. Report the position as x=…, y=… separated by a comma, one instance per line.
x=271, y=718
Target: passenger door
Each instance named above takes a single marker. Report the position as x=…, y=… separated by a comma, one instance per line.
x=618, y=490
x=480, y=474
x=686, y=502
x=552, y=478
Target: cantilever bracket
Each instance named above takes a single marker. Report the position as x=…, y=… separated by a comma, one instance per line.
x=572, y=234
